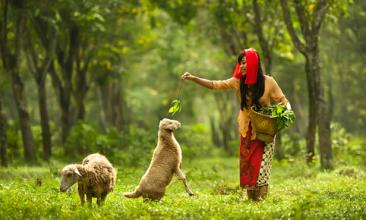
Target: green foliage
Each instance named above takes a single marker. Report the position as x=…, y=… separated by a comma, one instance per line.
x=195, y=141
x=284, y=117
x=138, y=146
x=81, y=140
x=14, y=141
x=131, y=147
x=175, y=107
x=296, y=192
x=349, y=150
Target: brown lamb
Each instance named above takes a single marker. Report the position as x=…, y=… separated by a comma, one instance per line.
x=96, y=177
x=166, y=162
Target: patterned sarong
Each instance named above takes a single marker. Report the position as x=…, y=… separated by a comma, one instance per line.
x=255, y=161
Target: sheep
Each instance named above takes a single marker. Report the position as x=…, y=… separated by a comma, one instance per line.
x=96, y=177
x=166, y=161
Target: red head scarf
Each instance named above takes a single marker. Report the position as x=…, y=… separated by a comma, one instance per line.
x=251, y=66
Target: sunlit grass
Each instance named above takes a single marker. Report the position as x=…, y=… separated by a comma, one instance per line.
x=296, y=192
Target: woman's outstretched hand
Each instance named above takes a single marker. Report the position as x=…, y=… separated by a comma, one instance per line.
x=187, y=76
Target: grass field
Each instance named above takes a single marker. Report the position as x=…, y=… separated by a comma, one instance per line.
x=296, y=192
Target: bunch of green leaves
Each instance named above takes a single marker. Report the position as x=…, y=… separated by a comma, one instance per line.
x=175, y=107
x=284, y=117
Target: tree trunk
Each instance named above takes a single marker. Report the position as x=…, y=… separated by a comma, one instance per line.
x=81, y=87
x=3, y=150
x=214, y=133
x=65, y=118
x=64, y=95
x=227, y=105
x=279, y=154
x=318, y=105
x=12, y=65
x=262, y=41
x=66, y=60
x=24, y=119
x=80, y=108
x=313, y=111
x=46, y=134
x=113, y=105
x=323, y=121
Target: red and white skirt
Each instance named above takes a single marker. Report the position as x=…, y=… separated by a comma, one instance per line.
x=255, y=161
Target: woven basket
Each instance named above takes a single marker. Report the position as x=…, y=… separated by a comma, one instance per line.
x=265, y=126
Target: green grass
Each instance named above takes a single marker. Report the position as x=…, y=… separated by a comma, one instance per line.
x=296, y=192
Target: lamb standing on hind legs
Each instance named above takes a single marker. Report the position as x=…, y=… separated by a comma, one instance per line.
x=96, y=177
x=166, y=162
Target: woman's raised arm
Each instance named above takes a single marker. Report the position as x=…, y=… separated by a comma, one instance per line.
x=230, y=83
x=200, y=81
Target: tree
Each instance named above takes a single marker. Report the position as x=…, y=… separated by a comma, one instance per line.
x=39, y=63
x=310, y=19
x=11, y=63
x=3, y=150
x=74, y=51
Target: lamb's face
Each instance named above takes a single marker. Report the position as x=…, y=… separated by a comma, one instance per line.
x=69, y=176
x=169, y=124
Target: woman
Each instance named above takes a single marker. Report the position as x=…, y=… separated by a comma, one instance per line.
x=253, y=88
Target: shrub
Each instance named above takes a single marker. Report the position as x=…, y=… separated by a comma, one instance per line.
x=195, y=141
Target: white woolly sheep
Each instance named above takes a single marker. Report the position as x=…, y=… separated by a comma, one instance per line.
x=166, y=161
x=96, y=177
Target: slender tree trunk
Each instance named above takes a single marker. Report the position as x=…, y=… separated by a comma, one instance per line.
x=279, y=154
x=81, y=87
x=65, y=118
x=11, y=63
x=24, y=119
x=318, y=105
x=324, y=119
x=20, y=99
x=113, y=104
x=66, y=60
x=64, y=99
x=80, y=108
x=262, y=41
x=46, y=133
x=227, y=105
x=313, y=111
x=39, y=70
x=3, y=150
x=116, y=92
x=214, y=133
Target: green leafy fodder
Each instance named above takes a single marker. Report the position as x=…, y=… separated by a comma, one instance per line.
x=175, y=107
x=284, y=117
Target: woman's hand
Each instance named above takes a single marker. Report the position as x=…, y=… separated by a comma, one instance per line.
x=187, y=76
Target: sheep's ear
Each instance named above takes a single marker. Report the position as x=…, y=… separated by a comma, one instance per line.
x=77, y=172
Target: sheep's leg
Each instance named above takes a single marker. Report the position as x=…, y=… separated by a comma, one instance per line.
x=182, y=177
x=104, y=195
x=81, y=195
x=99, y=200
x=135, y=194
x=89, y=199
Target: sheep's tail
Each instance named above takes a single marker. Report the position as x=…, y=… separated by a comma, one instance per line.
x=134, y=194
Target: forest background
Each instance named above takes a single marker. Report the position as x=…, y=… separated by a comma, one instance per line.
x=78, y=77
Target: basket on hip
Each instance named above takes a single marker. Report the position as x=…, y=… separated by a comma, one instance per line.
x=265, y=126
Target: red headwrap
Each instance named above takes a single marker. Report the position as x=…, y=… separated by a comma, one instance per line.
x=251, y=66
